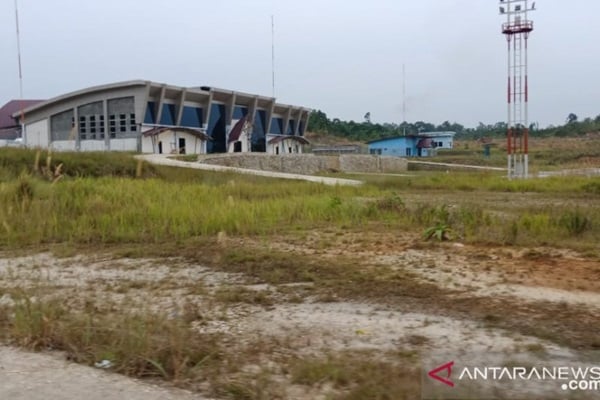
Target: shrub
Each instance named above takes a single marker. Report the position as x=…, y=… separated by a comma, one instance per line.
x=575, y=222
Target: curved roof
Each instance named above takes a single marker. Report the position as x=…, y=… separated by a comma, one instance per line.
x=93, y=89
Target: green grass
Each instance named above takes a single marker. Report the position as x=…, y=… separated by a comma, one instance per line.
x=355, y=376
x=137, y=344
x=106, y=210
x=15, y=162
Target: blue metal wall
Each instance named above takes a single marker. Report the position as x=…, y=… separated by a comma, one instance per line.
x=395, y=147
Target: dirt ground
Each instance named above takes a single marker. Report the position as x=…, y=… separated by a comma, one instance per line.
x=492, y=299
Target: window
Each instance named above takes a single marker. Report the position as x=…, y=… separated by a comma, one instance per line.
x=123, y=123
x=168, y=116
x=291, y=127
x=240, y=112
x=276, y=126
x=101, y=136
x=217, y=129
x=82, y=128
x=259, y=142
x=440, y=144
x=192, y=117
x=91, y=117
x=113, y=126
x=121, y=118
x=132, y=123
x=150, y=117
x=62, y=126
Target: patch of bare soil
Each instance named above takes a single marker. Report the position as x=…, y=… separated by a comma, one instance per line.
x=541, y=302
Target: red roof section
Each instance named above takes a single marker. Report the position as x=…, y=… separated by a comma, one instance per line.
x=13, y=106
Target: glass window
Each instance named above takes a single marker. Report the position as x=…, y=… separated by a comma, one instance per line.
x=291, y=127
x=240, y=112
x=61, y=126
x=217, y=129
x=259, y=141
x=277, y=126
x=150, y=117
x=132, y=123
x=192, y=117
x=168, y=116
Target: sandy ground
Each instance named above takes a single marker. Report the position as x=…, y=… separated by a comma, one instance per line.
x=43, y=376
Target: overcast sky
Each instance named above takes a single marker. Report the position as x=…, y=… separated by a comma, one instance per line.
x=344, y=57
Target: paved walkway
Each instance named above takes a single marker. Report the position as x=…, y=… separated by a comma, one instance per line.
x=161, y=159
x=465, y=166
x=43, y=376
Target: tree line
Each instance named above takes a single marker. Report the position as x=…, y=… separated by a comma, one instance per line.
x=366, y=131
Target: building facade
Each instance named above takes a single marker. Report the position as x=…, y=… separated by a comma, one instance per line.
x=150, y=117
x=425, y=144
x=10, y=128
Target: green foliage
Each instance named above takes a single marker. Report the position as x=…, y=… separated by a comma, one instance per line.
x=439, y=231
x=576, y=222
x=366, y=131
x=391, y=202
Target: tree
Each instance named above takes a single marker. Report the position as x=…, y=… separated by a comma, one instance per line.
x=572, y=118
x=318, y=122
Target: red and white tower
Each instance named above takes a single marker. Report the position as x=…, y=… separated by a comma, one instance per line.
x=517, y=29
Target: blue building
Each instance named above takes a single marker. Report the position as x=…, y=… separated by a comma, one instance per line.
x=424, y=144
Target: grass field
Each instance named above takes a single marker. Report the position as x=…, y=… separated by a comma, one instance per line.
x=179, y=270
x=545, y=154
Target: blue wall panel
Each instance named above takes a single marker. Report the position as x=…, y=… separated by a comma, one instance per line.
x=217, y=129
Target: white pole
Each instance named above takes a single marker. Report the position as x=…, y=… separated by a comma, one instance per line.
x=22, y=118
x=404, y=97
x=273, y=52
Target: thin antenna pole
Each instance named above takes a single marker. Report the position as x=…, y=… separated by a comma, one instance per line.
x=404, y=97
x=273, y=51
x=20, y=68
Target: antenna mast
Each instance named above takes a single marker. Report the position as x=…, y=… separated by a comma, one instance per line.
x=404, y=97
x=20, y=70
x=517, y=29
x=273, y=51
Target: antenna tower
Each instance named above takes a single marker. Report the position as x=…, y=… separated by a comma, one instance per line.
x=517, y=29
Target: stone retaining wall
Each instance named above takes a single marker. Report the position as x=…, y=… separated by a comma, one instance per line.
x=308, y=164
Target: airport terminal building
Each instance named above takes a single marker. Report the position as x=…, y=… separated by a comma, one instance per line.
x=151, y=117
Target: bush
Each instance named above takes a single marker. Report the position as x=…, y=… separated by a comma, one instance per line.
x=575, y=222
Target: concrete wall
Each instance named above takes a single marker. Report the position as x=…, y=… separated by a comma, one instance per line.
x=63, y=145
x=124, y=144
x=37, y=134
x=93, y=145
x=309, y=164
